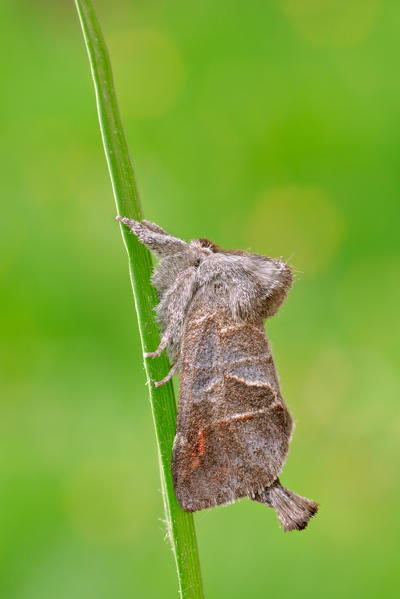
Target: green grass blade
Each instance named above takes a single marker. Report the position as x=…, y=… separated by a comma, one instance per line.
x=180, y=524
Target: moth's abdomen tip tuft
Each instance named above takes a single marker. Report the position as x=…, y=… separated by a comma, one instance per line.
x=293, y=510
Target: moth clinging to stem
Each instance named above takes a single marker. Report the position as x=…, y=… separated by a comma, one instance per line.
x=233, y=427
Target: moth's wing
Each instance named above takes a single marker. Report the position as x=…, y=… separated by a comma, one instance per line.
x=233, y=428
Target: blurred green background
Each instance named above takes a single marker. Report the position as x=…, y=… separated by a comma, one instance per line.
x=272, y=126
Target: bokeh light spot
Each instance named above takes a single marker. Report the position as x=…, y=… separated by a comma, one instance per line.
x=332, y=23
x=148, y=69
x=298, y=223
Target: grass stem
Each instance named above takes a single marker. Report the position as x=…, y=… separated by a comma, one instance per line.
x=180, y=524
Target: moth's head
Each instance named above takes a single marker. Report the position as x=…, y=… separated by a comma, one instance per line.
x=219, y=267
x=203, y=249
x=200, y=259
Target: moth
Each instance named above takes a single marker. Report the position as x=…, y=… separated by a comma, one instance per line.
x=233, y=427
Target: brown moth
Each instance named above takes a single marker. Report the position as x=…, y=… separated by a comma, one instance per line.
x=233, y=427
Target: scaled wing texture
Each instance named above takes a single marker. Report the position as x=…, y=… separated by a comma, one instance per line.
x=233, y=428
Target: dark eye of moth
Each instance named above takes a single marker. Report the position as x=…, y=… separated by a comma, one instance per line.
x=197, y=263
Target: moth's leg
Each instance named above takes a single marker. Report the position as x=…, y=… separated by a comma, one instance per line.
x=153, y=227
x=178, y=298
x=161, y=347
x=159, y=242
x=168, y=377
x=142, y=232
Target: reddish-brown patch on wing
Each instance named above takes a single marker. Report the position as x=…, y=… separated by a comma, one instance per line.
x=195, y=462
x=198, y=451
x=200, y=443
